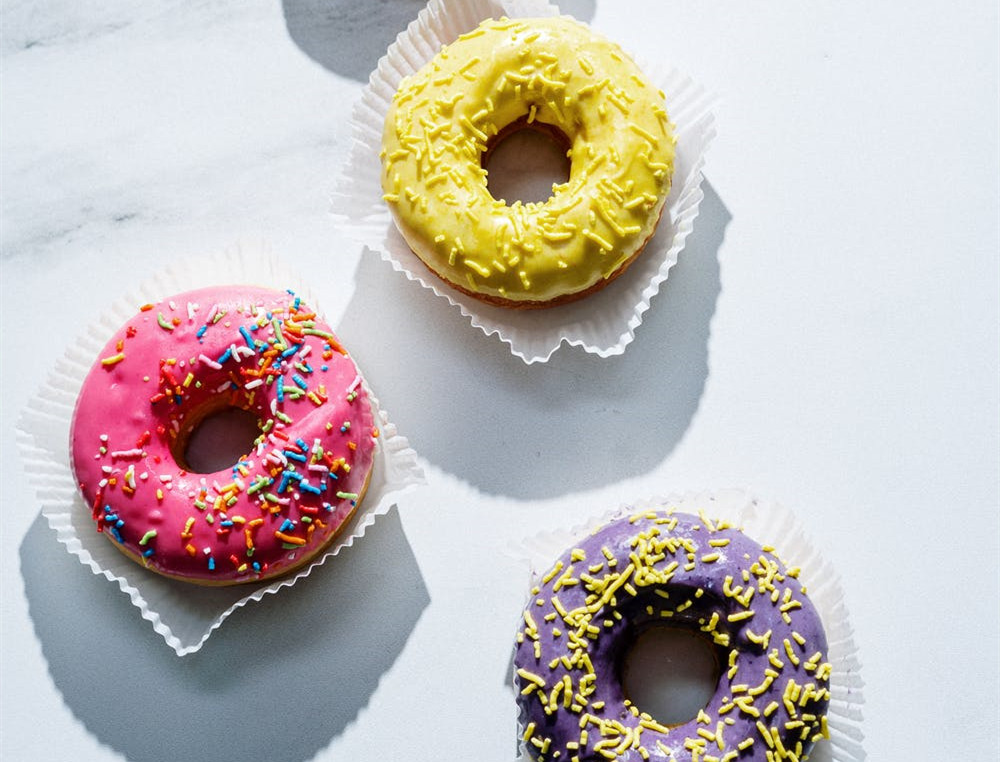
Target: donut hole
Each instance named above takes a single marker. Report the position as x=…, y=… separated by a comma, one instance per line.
x=523, y=161
x=216, y=440
x=671, y=673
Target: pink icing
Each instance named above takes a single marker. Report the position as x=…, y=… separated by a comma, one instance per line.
x=246, y=347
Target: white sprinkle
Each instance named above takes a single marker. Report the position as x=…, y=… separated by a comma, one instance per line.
x=210, y=362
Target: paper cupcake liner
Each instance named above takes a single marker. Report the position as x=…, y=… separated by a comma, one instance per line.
x=765, y=522
x=604, y=323
x=184, y=614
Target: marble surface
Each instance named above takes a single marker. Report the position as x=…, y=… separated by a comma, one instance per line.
x=828, y=339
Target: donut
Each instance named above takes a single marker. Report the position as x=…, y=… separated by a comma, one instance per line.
x=186, y=358
x=654, y=568
x=549, y=74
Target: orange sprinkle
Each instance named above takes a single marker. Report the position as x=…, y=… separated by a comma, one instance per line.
x=289, y=538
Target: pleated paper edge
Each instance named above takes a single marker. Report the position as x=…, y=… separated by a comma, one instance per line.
x=46, y=456
x=361, y=215
x=765, y=522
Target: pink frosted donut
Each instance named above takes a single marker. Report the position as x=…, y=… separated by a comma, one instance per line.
x=190, y=356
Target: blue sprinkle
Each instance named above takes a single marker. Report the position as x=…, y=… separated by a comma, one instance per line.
x=309, y=488
x=247, y=337
x=302, y=445
x=281, y=388
x=291, y=351
x=211, y=564
x=288, y=524
x=308, y=367
x=298, y=301
x=226, y=523
x=324, y=368
x=256, y=566
x=300, y=382
x=147, y=553
x=329, y=508
x=295, y=456
x=285, y=476
x=201, y=331
x=225, y=356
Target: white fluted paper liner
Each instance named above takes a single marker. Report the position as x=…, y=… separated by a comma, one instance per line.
x=184, y=614
x=604, y=323
x=767, y=523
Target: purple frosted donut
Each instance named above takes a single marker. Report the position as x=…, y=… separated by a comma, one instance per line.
x=654, y=568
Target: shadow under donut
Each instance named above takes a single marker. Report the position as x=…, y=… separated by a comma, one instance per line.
x=542, y=430
x=279, y=680
x=348, y=37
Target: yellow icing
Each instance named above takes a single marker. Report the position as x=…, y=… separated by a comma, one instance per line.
x=557, y=72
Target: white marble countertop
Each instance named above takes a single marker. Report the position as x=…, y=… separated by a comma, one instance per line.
x=829, y=340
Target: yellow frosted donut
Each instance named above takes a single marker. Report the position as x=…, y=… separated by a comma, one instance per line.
x=550, y=74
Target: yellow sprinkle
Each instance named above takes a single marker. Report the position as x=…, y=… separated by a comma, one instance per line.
x=531, y=677
x=765, y=734
x=642, y=133
x=598, y=239
x=791, y=655
x=552, y=573
x=530, y=621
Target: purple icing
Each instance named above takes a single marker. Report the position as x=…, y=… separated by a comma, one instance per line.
x=774, y=672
